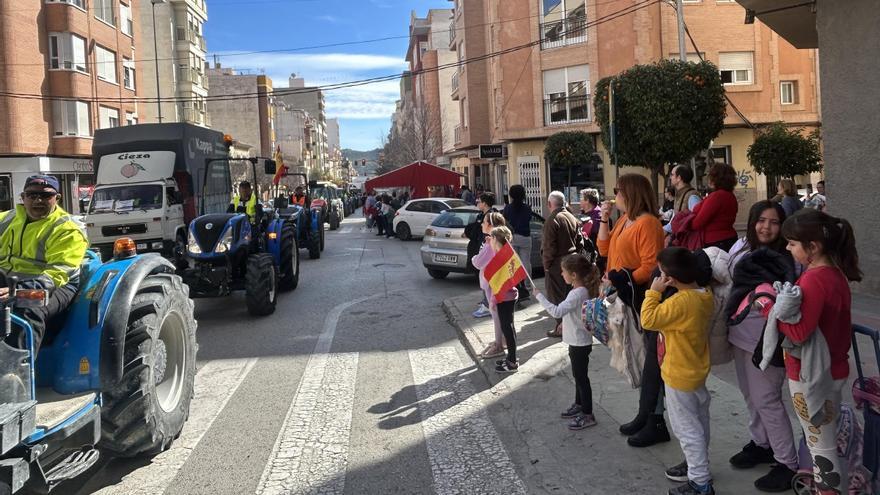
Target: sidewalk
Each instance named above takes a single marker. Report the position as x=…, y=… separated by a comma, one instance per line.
x=545, y=368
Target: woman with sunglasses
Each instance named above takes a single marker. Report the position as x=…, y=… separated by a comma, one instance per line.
x=632, y=248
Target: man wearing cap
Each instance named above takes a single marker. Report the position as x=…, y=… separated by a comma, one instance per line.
x=43, y=246
x=246, y=202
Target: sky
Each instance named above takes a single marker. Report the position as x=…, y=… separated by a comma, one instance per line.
x=364, y=112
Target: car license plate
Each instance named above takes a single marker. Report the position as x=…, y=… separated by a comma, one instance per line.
x=445, y=258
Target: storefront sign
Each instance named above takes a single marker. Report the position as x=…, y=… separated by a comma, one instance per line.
x=493, y=151
x=83, y=166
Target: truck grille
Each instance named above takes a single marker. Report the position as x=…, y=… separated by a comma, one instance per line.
x=116, y=230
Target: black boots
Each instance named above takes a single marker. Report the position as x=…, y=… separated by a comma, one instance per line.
x=635, y=425
x=652, y=433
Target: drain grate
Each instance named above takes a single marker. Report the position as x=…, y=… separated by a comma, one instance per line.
x=389, y=265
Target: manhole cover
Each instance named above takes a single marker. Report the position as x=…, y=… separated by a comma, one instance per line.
x=389, y=265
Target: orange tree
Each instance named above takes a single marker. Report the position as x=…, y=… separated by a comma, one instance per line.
x=568, y=150
x=664, y=113
x=783, y=152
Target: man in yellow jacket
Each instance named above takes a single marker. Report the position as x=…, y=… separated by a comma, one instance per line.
x=246, y=202
x=43, y=246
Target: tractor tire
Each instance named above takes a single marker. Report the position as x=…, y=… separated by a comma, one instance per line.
x=289, y=260
x=403, y=231
x=314, y=245
x=438, y=274
x=261, y=284
x=334, y=220
x=145, y=411
x=321, y=228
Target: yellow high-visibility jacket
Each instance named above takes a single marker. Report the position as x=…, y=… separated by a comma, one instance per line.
x=49, y=250
x=250, y=206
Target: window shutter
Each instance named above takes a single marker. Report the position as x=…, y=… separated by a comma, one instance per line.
x=81, y=109
x=579, y=73
x=79, y=52
x=554, y=81
x=735, y=60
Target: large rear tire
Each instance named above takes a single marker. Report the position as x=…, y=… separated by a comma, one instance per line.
x=289, y=259
x=321, y=229
x=314, y=245
x=261, y=284
x=145, y=411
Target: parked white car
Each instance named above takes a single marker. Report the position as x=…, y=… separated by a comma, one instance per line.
x=415, y=216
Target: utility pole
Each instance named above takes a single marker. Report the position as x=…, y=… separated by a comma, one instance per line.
x=156, y=56
x=679, y=12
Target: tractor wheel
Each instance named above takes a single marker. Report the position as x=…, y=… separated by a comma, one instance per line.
x=261, y=284
x=181, y=262
x=314, y=245
x=321, y=228
x=438, y=274
x=334, y=220
x=289, y=260
x=145, y=411
x=403, y=232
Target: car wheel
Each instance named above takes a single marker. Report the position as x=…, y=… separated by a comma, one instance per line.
x=438, y=274
x=403, y=231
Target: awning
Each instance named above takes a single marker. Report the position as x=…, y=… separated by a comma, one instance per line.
x=418, y=177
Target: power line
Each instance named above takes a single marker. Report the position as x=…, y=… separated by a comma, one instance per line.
x=330, y=87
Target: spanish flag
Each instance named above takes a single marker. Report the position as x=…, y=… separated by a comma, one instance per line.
x=504, y=271
x=280, y=168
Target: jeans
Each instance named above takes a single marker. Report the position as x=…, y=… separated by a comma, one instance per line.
x=505, y=317
x=580, y=364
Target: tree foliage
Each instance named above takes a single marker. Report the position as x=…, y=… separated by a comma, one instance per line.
x=784, y=152
x=569, y=149
x=664, y=113
x=417, y=138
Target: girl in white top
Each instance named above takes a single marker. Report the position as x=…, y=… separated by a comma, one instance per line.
x=583, y=276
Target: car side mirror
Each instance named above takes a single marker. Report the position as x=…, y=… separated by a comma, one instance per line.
x=270, y=167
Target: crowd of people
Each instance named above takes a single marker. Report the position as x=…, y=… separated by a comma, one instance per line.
x=694, y=284
x=379, y=211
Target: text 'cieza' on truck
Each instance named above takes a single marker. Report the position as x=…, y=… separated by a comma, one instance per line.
x=152, y=180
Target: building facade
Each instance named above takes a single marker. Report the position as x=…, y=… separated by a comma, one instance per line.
x=176, y=48
x=310, y=99
x=80, y=60
x=250, y=120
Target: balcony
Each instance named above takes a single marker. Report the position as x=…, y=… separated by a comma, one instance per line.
x=193, y=37
x=567, y=31
x=456, y=134
x=455, y=82
x=192, y=115
x=566, y=110
x=191, y=75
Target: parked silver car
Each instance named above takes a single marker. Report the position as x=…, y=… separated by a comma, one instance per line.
x=444, y=247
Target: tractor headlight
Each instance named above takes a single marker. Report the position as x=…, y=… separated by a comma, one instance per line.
x=225, y=242
x=191, y=245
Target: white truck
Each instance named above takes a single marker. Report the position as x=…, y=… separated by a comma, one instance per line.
x=152, y=180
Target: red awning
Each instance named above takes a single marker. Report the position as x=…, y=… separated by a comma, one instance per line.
x=418, y=177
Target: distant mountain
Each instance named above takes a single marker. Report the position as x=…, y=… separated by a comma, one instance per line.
x=370, y=156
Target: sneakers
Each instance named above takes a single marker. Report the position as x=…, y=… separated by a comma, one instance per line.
x=491, y=351
x=777, y=480
x=691, y=488
x=506, y=367
x=752, y=455
x=482, y=311
x=679, y=472
x=654, y=432
x=582, y=421
x=572, y=412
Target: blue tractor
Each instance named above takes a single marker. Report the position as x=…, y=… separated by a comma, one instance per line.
x=113, y=376
x=230, y=253
x=307, y=219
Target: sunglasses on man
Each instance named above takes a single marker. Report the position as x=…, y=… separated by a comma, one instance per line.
x=44, y=195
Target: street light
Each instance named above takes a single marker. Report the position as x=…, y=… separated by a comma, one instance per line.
x=156, y=56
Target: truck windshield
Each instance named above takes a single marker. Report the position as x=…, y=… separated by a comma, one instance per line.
x=127, y=198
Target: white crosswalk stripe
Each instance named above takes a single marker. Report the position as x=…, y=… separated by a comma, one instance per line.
x=465, y=452
x=215, y=383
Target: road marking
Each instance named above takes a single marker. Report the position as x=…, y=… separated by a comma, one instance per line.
x=214, y=385
x=345, y=230
x=463, y=446
x=311, y=452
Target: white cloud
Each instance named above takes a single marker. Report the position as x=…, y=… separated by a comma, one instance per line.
x=280, y=65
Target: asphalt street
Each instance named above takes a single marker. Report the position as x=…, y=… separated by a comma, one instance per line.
x=357, y=384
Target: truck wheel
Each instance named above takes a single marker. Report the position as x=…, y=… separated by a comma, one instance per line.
x=145, y=411
x=289, y=259
x=403, y=232
x=261, y=284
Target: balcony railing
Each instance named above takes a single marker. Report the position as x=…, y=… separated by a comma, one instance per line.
x=455, y=78
x=567, y=110
x=567, y=31
x=456, y=134
x=190, y=74
x=193, y=37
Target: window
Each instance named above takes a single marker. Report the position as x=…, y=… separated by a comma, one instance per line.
x=788, y=92
x=104, y=11
x=106, y=62
x=127, y=23
x=128, y=74
x=109, y=117
x=563, y=22
x=71, y=118
x=78, y=3
x=465, y=114
x=566, y=95
x=419, y=207
x=736, y=67
x=130, y=119
x=721, y=154
x=67, y=51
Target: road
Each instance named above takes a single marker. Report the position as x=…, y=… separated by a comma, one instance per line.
x=357, y=384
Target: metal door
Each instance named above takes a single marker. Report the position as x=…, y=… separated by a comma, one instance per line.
x=530, y=178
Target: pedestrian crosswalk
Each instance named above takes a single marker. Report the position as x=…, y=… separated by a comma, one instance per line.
x=311, y=453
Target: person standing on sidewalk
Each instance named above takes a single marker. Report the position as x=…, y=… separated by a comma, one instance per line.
x=518, y=215
x=631, y=249
x=686, y=197
x=683, y=320
x=772, y=441
x=476, y=238
x=492, y=220
x=786, y=190
x=817, y=364
x=558, y=241
x=715, y=215
x=583, y=277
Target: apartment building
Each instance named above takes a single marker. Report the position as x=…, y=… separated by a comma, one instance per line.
x=79, y=58
x=568, y=45
x=249, y=119
x=176, y=50
x=311, y=100
x=295, y=132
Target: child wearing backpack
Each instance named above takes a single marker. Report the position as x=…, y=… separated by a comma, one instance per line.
x=682, y=320
x=583, y=276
